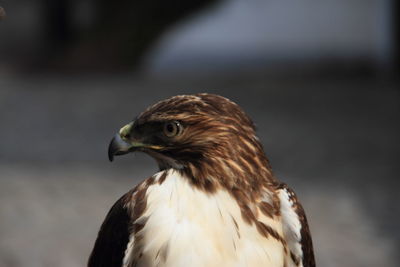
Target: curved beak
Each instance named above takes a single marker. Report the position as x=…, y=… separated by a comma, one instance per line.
x=118, y=146
x=121, y=144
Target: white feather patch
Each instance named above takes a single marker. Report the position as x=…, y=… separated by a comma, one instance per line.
x=189, y=227
x=291, y=225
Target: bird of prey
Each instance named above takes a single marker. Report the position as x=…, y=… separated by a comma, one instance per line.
x=214, y=201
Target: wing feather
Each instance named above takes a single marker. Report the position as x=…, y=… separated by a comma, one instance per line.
x=297, y=232
x=113, y=237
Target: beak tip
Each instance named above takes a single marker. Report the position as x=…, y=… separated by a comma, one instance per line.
x=117, y=147
x=111, y=150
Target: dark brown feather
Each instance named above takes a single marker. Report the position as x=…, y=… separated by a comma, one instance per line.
x=119, y=224
x=113, y=236
x=306, y=241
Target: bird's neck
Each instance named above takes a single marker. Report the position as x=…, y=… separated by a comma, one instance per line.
x=247, y=173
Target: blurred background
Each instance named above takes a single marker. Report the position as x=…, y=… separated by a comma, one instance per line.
x=319, y=78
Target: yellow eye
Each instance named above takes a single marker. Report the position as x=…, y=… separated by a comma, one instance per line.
x=172, y=129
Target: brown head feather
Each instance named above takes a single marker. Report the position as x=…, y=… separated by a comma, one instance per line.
x=218, y=146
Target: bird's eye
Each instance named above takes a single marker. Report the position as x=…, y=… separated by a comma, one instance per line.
x=172, y=129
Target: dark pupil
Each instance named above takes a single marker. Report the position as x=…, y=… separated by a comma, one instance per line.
x=170, y=128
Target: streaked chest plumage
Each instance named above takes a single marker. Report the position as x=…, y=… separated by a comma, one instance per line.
x=184, y=226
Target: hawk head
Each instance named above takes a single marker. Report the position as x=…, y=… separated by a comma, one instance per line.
x=203, y=135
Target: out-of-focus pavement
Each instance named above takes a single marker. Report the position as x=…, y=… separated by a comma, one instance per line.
x=335, y=141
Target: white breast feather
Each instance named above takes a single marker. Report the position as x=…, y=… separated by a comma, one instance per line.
x=188, y=227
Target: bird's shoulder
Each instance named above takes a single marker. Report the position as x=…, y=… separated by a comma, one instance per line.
x=295, y=226
x=114, y=234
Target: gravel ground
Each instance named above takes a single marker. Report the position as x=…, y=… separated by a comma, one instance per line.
x=334, y=141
